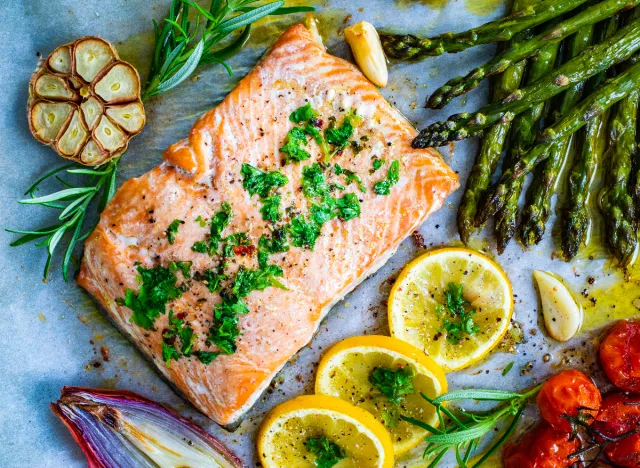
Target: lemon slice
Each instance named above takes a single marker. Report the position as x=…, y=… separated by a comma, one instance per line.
x=345, y=370
x=416, y=314
x=284, y=433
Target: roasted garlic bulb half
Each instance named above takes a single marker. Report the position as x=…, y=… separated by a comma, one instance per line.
x=85, y=103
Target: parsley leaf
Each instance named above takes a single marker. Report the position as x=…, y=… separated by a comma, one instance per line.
x=295, y=140
x=172, y=230
x=339, y=136
x=225, y=331
x=458, y=322
x=184, y=267
x=206, y=357
x=217, y=224
x=248, y=280
x=211, y=279
x=158, y=286
x=177, y=329
x=201, y=221
x=257, y=181
x=169, y=353
x=303, y=233
x=346, y=208
x=377, y=164
x=327, y=453
x=383, y=187
x=350, y=177
x=303, y=114
x=312, y=129
x=271, y=208
x=268, y=245
x=394, y=384
x=314, y=182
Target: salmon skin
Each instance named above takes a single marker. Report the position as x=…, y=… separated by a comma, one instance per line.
x=202, y=174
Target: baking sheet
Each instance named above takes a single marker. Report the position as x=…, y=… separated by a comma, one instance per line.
x=52, y=334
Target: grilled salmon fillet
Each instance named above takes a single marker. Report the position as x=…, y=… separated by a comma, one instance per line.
x=202, y=174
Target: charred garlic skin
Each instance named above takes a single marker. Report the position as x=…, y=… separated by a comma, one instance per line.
x=85, y=102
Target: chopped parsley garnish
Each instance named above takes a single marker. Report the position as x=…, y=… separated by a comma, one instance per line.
x=248, y=280
x=213, y=280
x=302, y=233
x=257, y=181
x=172, y=230
x=327, y=453
x=217, y=224
x=377, y=164
x=157, y=287
x=314, y=182
x=201, y=221
x=206, y=357
x=346, y=208
x=293, y=147
x=271, y=209
x=169, y=353
x=225, y=331
x=313, y=129
x=458, y=321
x=350, y=177
x=303, y=114
x=184, y=267
x=276, y=243
x=383, y=187
x=178, y=329
x=339, y=136
x=394, y=385
x=230, y=243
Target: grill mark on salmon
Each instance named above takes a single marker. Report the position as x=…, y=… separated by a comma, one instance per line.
x=202, y=171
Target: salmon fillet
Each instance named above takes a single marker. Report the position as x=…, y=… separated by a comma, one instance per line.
x=202, y=172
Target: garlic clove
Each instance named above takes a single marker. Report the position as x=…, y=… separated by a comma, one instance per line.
x=120, y=84
x=91, y=111
x=54, y=87
x=60, y=60
x=108, y=135
x=74, y=136
x=91, y=56
x=92, y=154
x=47, y=118
x=562, y=315
x=130, y=116
x=367, y=50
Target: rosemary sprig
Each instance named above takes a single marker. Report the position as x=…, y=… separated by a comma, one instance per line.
x=181, y=45
x=462, y=431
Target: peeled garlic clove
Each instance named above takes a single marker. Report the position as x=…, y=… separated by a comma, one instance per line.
x=92, y=109
x=88, y=73
x=312, y=25
x=60, y=60
x=108, y=135
x=47, y=118
x=74, y=137
x=54, y=87
x=91, y=56
x=120, y=84
x=119, y=429
x=562, y=315
x=92, y=154
x=367, y=50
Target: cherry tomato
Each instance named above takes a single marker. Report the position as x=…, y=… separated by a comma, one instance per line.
x=619, y=414
x=541, y=448
x=620, y=355
x=625, y=452
x=569, y=395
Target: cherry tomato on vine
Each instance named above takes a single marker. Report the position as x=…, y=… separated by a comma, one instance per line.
x=620, y=355
x=619, y=414
x=569, y=399
x=541, y=447
x=625, y=452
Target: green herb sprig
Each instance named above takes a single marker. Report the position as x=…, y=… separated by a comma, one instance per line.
x=458, y=321
x=327, y=453
x=181, y=45
x=462, y=431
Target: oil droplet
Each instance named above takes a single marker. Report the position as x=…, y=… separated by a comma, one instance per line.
x=482, y=7
x=42, y=317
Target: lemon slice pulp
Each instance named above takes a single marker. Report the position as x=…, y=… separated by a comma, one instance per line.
x=417, y=315
x=282, y=437
x=345, y=371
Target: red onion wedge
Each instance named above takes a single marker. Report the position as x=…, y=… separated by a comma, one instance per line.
x=120, y=429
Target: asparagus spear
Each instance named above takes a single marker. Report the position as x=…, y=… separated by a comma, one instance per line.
x=537, y=209
x=410, y=47
x=524, y=132
x=616, y=203
x=612, y=91
x=575, y=220
x=589, y=16
x=493, y=142
x=594, y=60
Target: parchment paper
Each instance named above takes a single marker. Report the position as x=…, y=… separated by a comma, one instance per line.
x=52, y=335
